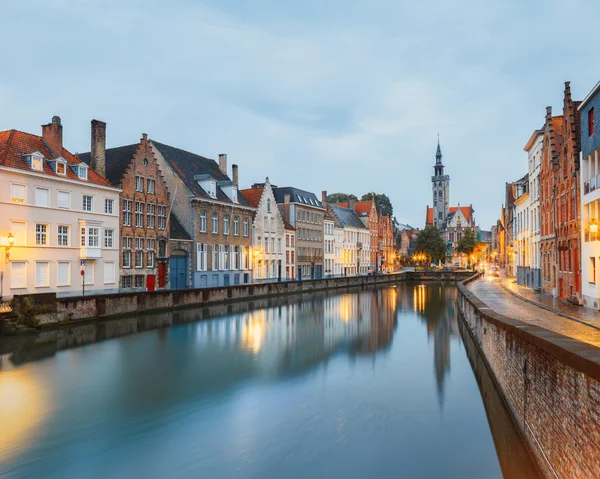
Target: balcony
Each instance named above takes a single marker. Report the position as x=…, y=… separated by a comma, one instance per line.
x=87, y=252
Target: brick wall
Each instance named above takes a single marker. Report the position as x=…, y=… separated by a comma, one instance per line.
x=550, y=383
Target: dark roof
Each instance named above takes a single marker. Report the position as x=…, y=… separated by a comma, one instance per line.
x=176, y=229
x=187, y=165
x=347, y=217
x=117, y=161
x=296, y=196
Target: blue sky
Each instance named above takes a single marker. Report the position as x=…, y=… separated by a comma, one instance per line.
x=337, y=95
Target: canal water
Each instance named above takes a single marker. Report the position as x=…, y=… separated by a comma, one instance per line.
x=359, y=383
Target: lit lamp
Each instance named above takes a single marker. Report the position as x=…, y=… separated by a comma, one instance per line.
x=593, y=227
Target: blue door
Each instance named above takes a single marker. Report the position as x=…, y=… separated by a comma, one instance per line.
x=178, y=275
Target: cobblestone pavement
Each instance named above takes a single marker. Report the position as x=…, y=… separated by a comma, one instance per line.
x=490, y=291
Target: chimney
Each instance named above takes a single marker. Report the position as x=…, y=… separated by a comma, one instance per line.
x=324, y=198
x=568, y=91
x=286, y=207
x=234, y=174
x=98, y=150
x=351, y=203
x=223, y=163
x=52, y=135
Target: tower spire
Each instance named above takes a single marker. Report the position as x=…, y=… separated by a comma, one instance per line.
x=438, y=153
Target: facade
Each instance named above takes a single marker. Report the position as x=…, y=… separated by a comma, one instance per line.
x=304, y=212
x=338, y=248
x=290, y=251
x=534, y=149
x=212, y=212
x=590, y=198
x=522, y=232
x=60, y=215
x=355, y=255
x=387, y=244
x=328, y=244
x=144, y=209
x=560, y=202
x=452, y=221
x=506, y=230
x=268, y=233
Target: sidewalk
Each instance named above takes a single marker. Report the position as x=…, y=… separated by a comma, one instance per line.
x=493, y=292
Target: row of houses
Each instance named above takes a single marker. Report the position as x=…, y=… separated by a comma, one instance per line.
x=548, y=227
x=150, y=215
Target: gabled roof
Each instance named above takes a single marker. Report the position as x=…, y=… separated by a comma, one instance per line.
x=187, y=165
x=253, y=196
x=465, y=210
x=176, y=229
x=361, y=208
x=347, y=217
x=14, y=144
x=532, y=138
x=296, y=196
x=117, y=161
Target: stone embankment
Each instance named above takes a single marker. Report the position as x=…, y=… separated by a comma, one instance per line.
x=550, y=382
x=47, y=309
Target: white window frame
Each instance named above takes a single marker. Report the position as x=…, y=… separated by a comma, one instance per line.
x=109, y=206
x=46, y=283
x=150, y=185
x=68, y=280
x=114, y=272
x=40, y=189
x=68, y=197
x=82, y=172
x=246, y=227
x=89, y=278
x=236, y=226
x=203, y=222
x=139, y=184
x=109, y=237
x=15, y=233
x=13, y=284
x=83, y=203
x=215, y=223
x=45, y=233
x=60, y=235
x=16, y=199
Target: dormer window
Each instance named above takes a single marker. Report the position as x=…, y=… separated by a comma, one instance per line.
x=208, y=184
x=35, y=161
x=81, y=170
x=59, y=165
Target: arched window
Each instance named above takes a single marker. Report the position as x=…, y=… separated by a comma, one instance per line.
x=269, y=205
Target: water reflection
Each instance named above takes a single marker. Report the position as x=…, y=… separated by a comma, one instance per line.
x=321, y=384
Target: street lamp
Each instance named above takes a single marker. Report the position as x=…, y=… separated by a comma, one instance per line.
x=8, y=243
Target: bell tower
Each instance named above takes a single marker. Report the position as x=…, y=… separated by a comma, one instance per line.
x=441, y=191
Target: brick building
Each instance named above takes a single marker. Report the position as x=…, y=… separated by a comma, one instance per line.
x=560, y=202
x=144, y=232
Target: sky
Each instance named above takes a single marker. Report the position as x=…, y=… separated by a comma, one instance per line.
x=337, y=95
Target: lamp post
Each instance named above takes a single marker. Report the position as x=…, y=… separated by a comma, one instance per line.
x=8, y=243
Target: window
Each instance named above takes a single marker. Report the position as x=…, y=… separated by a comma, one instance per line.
x=246, y=226
x=42, y=274
x=109, y=206
x=63, y=273
x=109, y=272
x=266, y=227
x=42, y=196
x=215, y=223
x=126, y=243
x=61, y=168
x=138, y=281
x=151, y=244
x=279, y=245
x=591, y=122
x=150, y=186
x=18, y=274
x=127, y=212
x=87, y=203
x=226, y=224
x=90, y=237
x=41, y=234
x=150, y=259
x=139, y=214
x=109, y=238
x=272, y=245
x=215, y=257
x=202, y=257
x=266, y=245
x=139, y=243
x=162, y=217
x=269, y=205
x=19, y=231
x=236, y=225
x=203, y=222
x=88, y=269
x=37, y=162
x=592, y=269
x=127, y=259
x=126, y=282
x=63, y=200
x=139, y=184
x=63, y=235
x=82, y=172
x=17, y=193
x=150, y=215
x=139, y=259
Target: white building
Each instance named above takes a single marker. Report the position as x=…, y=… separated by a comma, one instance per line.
x=534, y=149
x=522, y=232
x=61, y=217
x=328, y=245
x=268, y=233
x=356, y=244
x=290, y=251
x=338, y=250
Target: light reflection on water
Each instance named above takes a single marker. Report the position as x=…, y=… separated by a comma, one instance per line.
x=329, y=384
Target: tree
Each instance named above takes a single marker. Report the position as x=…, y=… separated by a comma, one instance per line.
x=431, y=242
x=466, y=245
x=383, y=203
x=340, y=197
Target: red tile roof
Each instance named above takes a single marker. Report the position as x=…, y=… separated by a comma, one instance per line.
x=15, y=143
x=360, y=207
x=288, y=226
x=252, y=195
x=466, y=211
x=429, y=218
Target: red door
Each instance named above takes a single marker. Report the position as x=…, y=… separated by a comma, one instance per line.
x=560, y=288
x=161, y=275
x=576, y=269
x=150, y=282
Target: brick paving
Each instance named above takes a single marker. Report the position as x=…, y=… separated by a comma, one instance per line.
x=490, y=291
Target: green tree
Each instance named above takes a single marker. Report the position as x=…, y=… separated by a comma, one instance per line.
x=431, y=242
x=466, y=245
x=383, y=203
x=340, y=197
